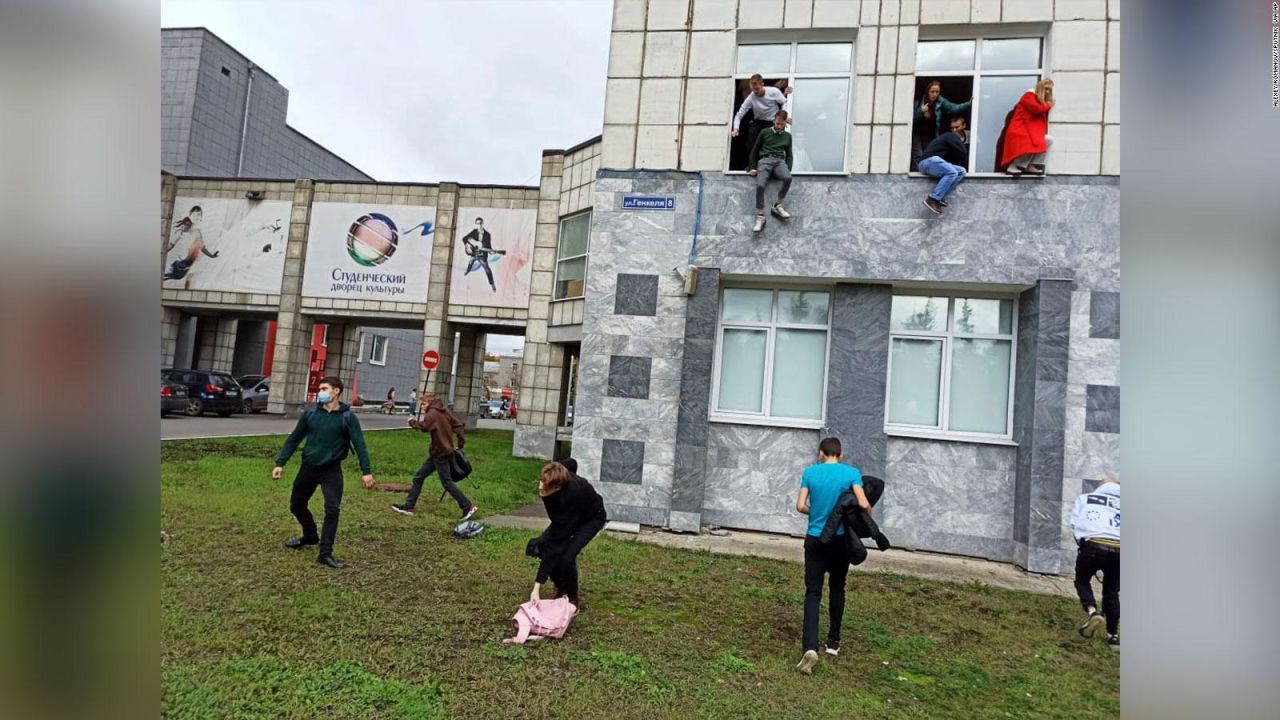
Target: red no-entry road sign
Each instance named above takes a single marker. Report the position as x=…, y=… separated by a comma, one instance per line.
x=430, y=359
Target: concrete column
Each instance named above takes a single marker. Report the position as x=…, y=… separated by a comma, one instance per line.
x=169, y=320
x=858, y=368
x=207, y=344
x=469, y=375
x=689, y=480
x=540, y=397
x=224, y=347
x=437, y=333
x=291, y=362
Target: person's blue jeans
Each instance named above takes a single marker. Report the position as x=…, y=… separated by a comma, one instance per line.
x=949, y=175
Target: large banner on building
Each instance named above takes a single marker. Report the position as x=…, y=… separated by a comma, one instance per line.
x=493, y=257
x=226, y=244
x=369, y=252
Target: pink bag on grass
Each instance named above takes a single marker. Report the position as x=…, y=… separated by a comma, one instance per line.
x=546, y=618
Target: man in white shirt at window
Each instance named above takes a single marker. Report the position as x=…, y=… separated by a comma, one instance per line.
x=764, y=103
x=1095, y=522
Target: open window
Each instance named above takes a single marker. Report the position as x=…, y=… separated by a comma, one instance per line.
x=980, y=79
x=821, y=74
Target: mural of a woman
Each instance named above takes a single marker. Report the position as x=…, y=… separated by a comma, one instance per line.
x=188, y=226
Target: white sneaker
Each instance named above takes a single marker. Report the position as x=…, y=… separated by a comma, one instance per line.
x=759, y=224
x=781, y=212
x=807, y=661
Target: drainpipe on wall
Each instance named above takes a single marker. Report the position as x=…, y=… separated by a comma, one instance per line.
x=684, y=80
x=244, y=125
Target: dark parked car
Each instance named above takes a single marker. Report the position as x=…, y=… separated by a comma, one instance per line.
x=173, y=397
x=255, y=396
x=207, y=391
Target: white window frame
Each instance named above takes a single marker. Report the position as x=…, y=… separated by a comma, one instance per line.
x=941, y=432
x=807, y=38
x=975, y=110
x=360, y=346
x=324, y=335
x=763, y=417
x=374, y=359
x=586, y=256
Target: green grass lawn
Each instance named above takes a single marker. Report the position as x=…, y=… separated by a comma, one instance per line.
x=412, y=628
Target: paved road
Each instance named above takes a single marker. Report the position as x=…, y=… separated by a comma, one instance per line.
x=180, y=427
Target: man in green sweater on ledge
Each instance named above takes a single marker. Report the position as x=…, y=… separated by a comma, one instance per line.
x=771, y=157
x=330, y=429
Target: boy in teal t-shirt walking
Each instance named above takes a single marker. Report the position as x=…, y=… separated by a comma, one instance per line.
x=820, y=490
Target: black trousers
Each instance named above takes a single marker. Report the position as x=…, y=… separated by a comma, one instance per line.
x=440, y=465
x=329, y=479
x=565, y=576
x=821, y=560
x=1090, y=559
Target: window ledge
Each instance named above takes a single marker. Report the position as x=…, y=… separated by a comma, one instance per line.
x=979, y=175
x=835, y=173
x=568, y=299
x=948, y=436
x=797, y=423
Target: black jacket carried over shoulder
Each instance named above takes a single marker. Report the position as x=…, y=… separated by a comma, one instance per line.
x=576, y=504
x=857, y=524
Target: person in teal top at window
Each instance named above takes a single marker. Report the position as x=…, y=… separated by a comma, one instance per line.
x=820, y=490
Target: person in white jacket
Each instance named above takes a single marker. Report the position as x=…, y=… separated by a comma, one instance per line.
x=1095, y=522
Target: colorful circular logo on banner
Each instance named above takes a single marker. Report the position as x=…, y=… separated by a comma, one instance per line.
x=372, y=239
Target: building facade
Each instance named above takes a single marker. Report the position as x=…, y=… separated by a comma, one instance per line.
x=223, y=116
x=971, y=359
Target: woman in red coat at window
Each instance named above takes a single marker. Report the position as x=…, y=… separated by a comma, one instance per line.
x=1026, y=141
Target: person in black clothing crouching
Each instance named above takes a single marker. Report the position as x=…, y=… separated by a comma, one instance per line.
x=577, y=514
x=946, y=158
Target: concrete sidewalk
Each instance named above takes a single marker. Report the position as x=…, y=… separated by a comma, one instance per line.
x=931, y=566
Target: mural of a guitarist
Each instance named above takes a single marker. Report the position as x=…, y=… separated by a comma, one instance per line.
x=478, y=245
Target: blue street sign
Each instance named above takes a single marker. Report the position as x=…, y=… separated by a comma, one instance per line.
x=648, y=202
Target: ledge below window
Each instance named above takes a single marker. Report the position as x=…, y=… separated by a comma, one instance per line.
x=785, y=423
x=922, y=434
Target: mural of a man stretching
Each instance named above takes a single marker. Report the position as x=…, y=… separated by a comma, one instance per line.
x=478, y=245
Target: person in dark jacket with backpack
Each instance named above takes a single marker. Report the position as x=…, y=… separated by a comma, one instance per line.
x=577, y=515
x=331, y=430
x=443, y=426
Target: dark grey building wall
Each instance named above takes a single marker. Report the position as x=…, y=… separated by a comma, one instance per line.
x=203, y=116
x=404, y=357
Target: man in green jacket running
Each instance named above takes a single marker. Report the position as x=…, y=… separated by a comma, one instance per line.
x=330, y=429
x=771, y=157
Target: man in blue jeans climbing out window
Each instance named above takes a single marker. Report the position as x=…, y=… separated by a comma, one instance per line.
x=946, y=158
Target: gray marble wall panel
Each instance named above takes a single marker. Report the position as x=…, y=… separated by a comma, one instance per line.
x=1102, y=409
x=856, y=376
x=949, y=496
x=629, y=376
x=622, y=462
x=1104, y=315
x=759, y=491
x=636, y=295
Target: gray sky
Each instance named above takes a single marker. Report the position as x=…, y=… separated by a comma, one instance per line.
x=428, y=90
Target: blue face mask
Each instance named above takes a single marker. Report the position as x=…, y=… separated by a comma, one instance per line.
x=324, y=398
